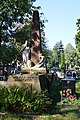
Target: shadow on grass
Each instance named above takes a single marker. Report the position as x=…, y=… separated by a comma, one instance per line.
x=65, y=111
x=57, y=110
x=78, y=95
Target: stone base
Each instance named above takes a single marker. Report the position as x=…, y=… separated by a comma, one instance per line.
x=34, y=70
x=32, y=81
x=29, y=80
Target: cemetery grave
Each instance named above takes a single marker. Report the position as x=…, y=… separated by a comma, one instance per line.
x=70, y=92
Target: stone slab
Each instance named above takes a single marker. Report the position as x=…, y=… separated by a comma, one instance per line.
x=29, y=80
x=32, y=81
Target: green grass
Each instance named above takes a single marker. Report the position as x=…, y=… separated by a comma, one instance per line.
x=58, y=113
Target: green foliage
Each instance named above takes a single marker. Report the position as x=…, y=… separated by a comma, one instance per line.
x=8, y=54
x=55, y=91
x=20, y=100
x=78, y=87
x=23, y=34
x=62, y=61
x=78, y=24
x=56, y=53
x=70, y=55
x=14, y=14
x=15, y=27
x=58, y=114
x=47, y=57
x=77, y=39
x=13, y=11
x=71, y=102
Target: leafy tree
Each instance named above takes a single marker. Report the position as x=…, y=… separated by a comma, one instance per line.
x=77, y=41
x=14, y=14
x=15, y=26
x=13, y=11
x=48, y=58
x=77, y=36
x=62, y=62
x=78, y=58
x=8, y=53
x=78, y=24
x=70, y=54
x=56, y=53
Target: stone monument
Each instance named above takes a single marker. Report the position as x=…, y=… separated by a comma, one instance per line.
x=33, y=68
x=32, y=57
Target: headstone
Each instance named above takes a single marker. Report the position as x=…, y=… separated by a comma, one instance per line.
x=68, y=86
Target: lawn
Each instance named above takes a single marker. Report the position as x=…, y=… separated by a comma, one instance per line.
x=58, y=113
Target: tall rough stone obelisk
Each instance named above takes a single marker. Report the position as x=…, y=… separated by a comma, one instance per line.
x=36, y=56
x=35, y=59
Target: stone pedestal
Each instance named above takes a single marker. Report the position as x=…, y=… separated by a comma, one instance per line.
x=29, y=80
x=33, y=70
x=34, y=79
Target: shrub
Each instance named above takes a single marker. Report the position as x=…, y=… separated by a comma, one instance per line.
x=55, y=91
x=20, y=100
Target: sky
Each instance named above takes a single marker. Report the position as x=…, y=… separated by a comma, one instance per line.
x=62, y=16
